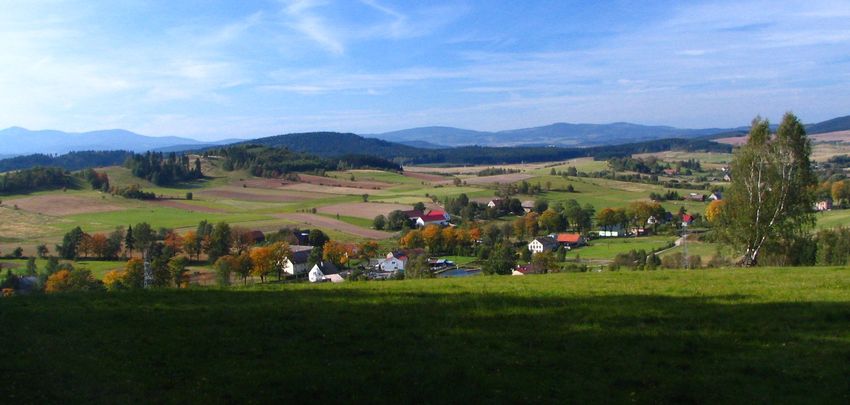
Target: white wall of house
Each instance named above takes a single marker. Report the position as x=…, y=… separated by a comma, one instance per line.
x=536, y=246
x=294, y=268
x=391, y=264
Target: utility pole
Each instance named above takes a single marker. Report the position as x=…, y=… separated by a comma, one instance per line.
x=148, y=283
x=685, y=241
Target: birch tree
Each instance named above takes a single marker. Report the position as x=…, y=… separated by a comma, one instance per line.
x=771, y=196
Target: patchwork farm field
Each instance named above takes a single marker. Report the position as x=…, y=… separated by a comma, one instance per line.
x=263, y=204
x=770, y=335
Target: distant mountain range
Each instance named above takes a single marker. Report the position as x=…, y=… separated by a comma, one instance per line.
x=576, y=135
x=20, y=141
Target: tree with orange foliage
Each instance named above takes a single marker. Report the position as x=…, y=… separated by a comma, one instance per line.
x=412, y=239
x=336, y=253
x=531, y=225
x=192, y=244
x=367, y=250
x=262, y=262
x=71, y=280
x=99, y=244
x=474, y=235
x=84, y=246
x=174, y=241
x=449, y=237
x=431, y=237
x=242, y=239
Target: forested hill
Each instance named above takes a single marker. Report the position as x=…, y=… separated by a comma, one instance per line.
x=335, y=144
x=835, y=124
x=332, y=144
x=70, y=161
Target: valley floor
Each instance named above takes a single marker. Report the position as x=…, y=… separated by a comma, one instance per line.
x=759, y=336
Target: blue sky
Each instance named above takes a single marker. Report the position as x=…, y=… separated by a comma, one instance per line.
x=219, y=69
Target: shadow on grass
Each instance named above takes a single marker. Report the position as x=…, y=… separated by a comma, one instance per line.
x=387, y=346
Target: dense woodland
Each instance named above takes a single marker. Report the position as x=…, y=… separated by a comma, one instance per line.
x=38, y=178
x=338, y=144
x=276, y=162
x=69, y=161
x=163, y=170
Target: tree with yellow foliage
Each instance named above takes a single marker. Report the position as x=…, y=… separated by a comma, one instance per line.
x=71, y=280
x=714, y=210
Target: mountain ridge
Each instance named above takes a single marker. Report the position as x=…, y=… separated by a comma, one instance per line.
x=21, y=141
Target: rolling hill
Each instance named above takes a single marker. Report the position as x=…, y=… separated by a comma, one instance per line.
x=21, y=141
x=578, y=135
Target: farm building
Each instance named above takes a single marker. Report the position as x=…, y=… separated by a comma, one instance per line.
x=542, y=244
x=394, y=261
x=823, y=205
x=695, y=197
x=433, y=217
x=612, y=232
x=324, y=271
x=527, y=206
x=297, y=264
x=570, y=240
x=499, y=203
x=715, y=196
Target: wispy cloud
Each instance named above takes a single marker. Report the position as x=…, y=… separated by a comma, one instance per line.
x=256, y=67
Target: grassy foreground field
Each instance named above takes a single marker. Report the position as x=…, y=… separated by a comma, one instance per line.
x=757, y=336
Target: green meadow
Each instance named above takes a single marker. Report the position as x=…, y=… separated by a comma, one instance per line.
x=768, y=335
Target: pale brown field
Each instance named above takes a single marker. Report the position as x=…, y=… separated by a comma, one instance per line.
x=427, y=177
x=501, y=178
x=368, y=210
x=247, y=194
x=62, y=205
x=334, y=182
x=315, y=188
x=475, y=169
x=186, y=206
x=262, y=183
x=330, y=223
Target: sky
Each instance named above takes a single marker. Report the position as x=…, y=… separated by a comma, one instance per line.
x=212, y=69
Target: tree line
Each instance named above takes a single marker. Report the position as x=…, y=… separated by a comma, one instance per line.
x=162, y=169
x=70, y=161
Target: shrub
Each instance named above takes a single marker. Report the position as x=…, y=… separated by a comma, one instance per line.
x=72, y=280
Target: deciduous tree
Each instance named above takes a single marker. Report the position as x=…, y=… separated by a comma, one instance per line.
x=771, y=196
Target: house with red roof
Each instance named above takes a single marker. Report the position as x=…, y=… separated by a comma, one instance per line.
x=436, y=217
x=570, y=240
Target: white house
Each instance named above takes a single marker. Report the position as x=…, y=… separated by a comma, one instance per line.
x=433, y=217
x=393, y=262
x=715, y=196
x=823, y=205
x=324, y=271
x=542, y=244
x=297, y=264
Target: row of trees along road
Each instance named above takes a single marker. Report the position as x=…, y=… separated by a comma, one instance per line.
x=769, y=202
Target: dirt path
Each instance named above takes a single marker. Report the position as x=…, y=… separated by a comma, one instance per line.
x=330, y=223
